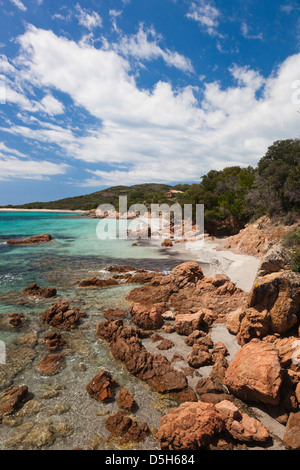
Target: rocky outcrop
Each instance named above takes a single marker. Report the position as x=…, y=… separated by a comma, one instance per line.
x=292, y=434
x=53, y=341
x=255, y=373
x=188, y=323
x=125, y=400
x=190, y=427
x=96, y=282
x=241, y=426
x=123, y=426
x=101, y=387
x=62, y=316
x=37, y=292
x=126, y=347
x=31, y=240
x=167, y=243
x=12, y=399
x=255, y=239
x=186, y=291
x=51, y=364
x=147, y=318
x=273, y=306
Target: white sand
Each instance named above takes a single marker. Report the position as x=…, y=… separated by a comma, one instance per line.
x=241, y=269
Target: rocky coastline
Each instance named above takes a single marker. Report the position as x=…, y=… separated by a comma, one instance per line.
x=227, y=359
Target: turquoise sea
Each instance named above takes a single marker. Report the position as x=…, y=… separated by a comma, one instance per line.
x=74, y=254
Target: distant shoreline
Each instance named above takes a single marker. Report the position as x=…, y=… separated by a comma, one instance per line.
x=43, y=210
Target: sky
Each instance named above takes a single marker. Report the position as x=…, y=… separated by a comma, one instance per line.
x=121, y=92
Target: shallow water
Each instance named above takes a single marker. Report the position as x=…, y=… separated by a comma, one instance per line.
x=74, y=254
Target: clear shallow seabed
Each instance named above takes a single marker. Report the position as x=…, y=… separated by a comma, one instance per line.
x=74, y=254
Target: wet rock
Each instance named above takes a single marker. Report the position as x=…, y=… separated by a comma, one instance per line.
x=16, y=319
x=35, y=291
x=147, y=318
x=241, y=426
x=96, y=282
x=156, y=370
x=255, y=373
x=101, y=387
x=51, y=364
x=31, y=240
x=12, y=399
x=54, y=341
x=125, y=400
x=62, y=316
x=32, y=436
x=123, y=426
x=121, y=269
x=192, y=426
x=114, y=313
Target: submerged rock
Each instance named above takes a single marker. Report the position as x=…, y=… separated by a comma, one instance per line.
x=96, y=282
x=51, y=364
x=31, y=240
x=12, y=399
x=62, y=316
x=37, y=292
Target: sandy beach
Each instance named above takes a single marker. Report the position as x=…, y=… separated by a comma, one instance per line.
x=42, y=210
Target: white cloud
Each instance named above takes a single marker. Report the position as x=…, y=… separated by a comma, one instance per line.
x=89, y=20
x=158, y=135
x=145, y=45
x=206, y=14
x=51, y=105
x=15, y=165
x=247, y=33
x=19, y=4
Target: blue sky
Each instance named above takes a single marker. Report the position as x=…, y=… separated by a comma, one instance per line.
x=101, y=93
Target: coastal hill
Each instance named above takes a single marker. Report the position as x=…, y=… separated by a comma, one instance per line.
x=232, y=197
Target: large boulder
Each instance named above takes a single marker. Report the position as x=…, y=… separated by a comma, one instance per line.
x=35, y=239
x=37, y=292
x=101, y=387
x=273, y=306
x=292, y=435
x=241, y=426
x=62, y=316
x=147, y=318
x=255, y=373
x=12, y=399
x=188, y=323
x=192, y=426
x=185, y=274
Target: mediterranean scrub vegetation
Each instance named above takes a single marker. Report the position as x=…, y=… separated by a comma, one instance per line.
x=232, y=197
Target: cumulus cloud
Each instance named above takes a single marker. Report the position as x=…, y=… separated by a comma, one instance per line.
x=160, y=134
x=247, y=33
x=88, y=19
x=19, y=5
x=15, y=165
x=145, y=45
x=206, y=14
